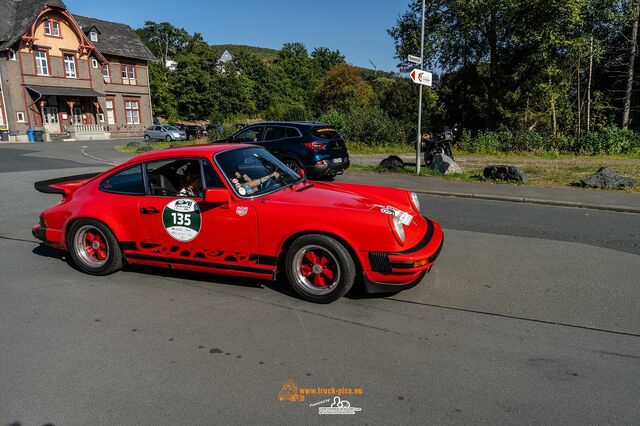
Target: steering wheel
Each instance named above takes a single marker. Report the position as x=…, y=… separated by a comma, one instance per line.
x=267, y=183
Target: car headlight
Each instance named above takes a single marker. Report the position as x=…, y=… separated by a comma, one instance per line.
x=415, y=201
x=399, y=228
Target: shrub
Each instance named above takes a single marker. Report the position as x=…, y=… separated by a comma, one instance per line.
x=610, y=140
x=367, y=124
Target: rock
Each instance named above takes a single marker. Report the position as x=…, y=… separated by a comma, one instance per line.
x=444, y=164
x=606, y=178
x=503, y=172
x=142, y=149
x=393, y=162
x=134, y=144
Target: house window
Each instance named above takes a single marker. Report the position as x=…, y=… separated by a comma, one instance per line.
x=111, y=117
x=51, y=28
x=106, y=74
x=132, y=111
x=94, y=62
x=42, y=64
x=128, y=74
x=20, y=117
x=93, y=36
x=76, y=115
x=101, y=117
x=11, y=55
x=70, y=66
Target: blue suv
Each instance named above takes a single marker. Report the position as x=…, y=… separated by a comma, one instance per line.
x=313, y=146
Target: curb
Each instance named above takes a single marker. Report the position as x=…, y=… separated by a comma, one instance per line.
x=618, y=209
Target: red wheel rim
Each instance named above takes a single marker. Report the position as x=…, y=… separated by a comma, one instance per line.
x=91, y=246
x=95, y=246
x=316, y=270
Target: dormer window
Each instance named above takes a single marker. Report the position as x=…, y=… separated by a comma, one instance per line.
x=11, y=55
x=51, y=28
x=93, y=36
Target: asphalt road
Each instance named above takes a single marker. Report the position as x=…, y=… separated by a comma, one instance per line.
x=530, y=316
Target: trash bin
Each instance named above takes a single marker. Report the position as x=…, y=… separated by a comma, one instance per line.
x=31, y=135
x=4, y=135
x=39, y=135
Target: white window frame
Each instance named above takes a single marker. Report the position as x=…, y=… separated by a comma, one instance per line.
x=11, y=55
x=42, y=63
x=128, y=74
x=101, y=117
x=20, y=117
x=107, y=77
x=94, y=63
x=129, y=111
x=70, y=66
x=55, y=28
x=111, y=115
x=93, y=36
x=47, y=27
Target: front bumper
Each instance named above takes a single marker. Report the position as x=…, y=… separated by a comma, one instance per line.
x=394, y=271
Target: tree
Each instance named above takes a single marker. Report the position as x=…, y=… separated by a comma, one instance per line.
x=343, y=88
x=163, y=39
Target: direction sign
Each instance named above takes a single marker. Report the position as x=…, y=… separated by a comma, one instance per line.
x=414, y=59
x=421, y=77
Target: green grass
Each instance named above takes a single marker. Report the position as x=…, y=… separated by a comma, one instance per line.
x=141, y=146
x=386, y=149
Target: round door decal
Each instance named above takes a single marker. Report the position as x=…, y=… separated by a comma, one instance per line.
x=182, y=220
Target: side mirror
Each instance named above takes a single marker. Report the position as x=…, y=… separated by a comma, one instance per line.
x=217, y=196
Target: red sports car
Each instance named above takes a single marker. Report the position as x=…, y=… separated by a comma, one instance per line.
x=237, y=210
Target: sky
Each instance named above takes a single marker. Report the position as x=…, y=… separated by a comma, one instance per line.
x=358, y=28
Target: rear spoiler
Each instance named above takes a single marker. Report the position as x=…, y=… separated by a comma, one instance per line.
x=63, y=185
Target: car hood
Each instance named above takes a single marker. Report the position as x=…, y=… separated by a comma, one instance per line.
x=341, y=196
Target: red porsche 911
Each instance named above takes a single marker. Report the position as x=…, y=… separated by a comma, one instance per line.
x=237, y=210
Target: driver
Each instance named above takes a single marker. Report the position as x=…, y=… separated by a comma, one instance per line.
x=192, y=186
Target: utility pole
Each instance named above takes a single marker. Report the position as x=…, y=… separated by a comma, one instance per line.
x=420, y=93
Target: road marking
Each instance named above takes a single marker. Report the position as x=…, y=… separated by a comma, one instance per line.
x=494, y=314
x=83, y=152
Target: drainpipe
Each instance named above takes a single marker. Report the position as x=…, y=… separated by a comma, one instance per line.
x=150, y=103
x=4, y=104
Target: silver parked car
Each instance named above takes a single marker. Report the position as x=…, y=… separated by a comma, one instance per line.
x=165, y=133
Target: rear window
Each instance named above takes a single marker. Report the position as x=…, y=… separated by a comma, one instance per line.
x=328, y=133
x=128, y=181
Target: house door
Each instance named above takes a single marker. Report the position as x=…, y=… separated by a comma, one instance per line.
x=51, y=121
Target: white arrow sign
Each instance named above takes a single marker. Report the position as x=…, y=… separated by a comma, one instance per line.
x=421, y=77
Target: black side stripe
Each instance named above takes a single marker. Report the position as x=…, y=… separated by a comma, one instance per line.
x=200, y=263
x=422, y=243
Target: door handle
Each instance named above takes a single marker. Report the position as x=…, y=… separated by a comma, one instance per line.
x=149, y=210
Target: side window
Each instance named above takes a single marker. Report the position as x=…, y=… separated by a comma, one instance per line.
x=274, y=133
x=250, y=135
x=173, y=177
x=291, y=132
x=128, y=181
x=211, y=178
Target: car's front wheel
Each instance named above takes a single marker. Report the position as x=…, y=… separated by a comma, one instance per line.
x=319, y=268
x=147, y=138
x=168, y=138
x=94, y=248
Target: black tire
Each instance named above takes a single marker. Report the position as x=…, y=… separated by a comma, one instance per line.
x=293, y=165
x=82, y=257
x=168, y=138
x=338, y=269
x=147, y=138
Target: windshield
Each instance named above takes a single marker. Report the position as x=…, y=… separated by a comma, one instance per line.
x=175, y=129
x=253, y=171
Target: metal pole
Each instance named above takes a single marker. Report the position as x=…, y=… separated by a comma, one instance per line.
x=420, y=94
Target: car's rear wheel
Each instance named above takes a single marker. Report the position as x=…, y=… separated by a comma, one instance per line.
x=94, y=248
x=319, y=268
x=293, y=165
